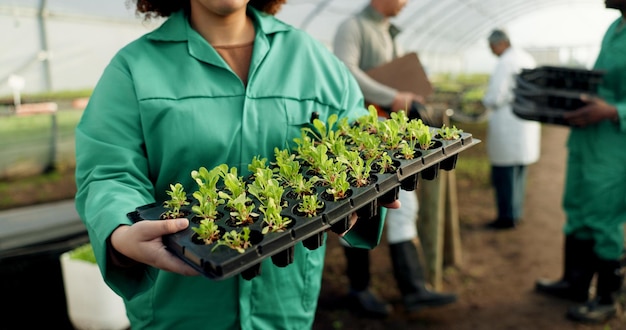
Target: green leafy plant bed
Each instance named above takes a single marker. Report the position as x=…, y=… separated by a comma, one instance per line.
x=334, y=170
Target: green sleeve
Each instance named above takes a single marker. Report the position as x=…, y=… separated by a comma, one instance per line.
x=366, y=233
x=111, y=169
x=621, y=115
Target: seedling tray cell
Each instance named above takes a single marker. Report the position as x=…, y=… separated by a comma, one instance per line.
x=449, y=163
x=451, y=146
x=431, y=173
x=220, y=262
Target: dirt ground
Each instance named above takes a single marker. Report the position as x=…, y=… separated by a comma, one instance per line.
x=496, y=279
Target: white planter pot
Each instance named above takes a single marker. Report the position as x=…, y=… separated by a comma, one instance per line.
x=91, y=304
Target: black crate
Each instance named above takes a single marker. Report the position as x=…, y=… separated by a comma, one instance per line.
x=526, y=109
x=548, y=97
x=572, y=79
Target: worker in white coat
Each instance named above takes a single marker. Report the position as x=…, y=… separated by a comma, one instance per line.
x=512, y=143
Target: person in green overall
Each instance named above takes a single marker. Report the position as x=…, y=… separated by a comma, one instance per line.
x=219, y=82
x=595, y=191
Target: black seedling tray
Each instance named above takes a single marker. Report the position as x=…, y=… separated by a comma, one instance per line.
x=529, y=110
x=572, y=79
x=224, y=262
x=548, y=97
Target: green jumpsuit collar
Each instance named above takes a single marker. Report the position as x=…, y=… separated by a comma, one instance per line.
x=178, y=29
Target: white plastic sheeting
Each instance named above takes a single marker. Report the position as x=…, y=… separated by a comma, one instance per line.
x=65, y=44
x=450, y=35
x=62, y=44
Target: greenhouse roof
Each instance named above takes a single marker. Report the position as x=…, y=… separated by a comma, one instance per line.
x=49, y=42
x=440, y=26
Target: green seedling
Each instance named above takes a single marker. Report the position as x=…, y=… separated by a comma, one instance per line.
x=239, y=241
x=274, y=221
x=177, y=200
x=207, y=193
x=242, y=210
x=208, y=231
x=339, y=186
x=257, y=163
x=386, y=163
x=358, y=168
x=449, y=133
x=310, y=205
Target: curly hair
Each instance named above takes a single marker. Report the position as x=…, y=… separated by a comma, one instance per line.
x=164, y=8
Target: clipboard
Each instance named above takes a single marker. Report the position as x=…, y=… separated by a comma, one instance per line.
x=404, y=73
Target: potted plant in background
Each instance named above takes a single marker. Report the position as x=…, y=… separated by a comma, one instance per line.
x=91, y=304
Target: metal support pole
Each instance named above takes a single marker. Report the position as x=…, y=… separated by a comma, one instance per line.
x=52, y=163
x=44, y=54
x=438, y=227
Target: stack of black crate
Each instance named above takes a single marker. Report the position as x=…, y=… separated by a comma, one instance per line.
x=545, y=93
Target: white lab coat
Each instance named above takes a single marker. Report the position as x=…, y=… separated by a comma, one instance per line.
x=510, y=139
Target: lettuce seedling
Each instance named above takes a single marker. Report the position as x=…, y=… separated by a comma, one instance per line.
x=287, y=166
x=338, y=147
x=208, y=231
x=303, y=186
x=303, y=144
x=401, y=119
x=177, y=200
x=318, y=156
x=358, y=168
x=343, y=127
x=339, y=186
x=407, y=148
x=208, y=202
x=369, y=123
x=390, y=134
x=207, y=193
x=206, y=178
x=274, y=221
x=425, y=139
x=324, y=133
x=257, y=163
x=449, y=133
x=385, y=162
x=310, y=205
x=239, y=241
x=265, y=186
x=234, y=185
x=243, y=207
x=330, y=170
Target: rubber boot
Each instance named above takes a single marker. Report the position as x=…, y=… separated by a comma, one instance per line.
x=578, y=272
x=409, y=274
x=604, y=306
x=358, y=272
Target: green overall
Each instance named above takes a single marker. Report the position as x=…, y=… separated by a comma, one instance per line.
x=595, y=188
x=168, y=104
